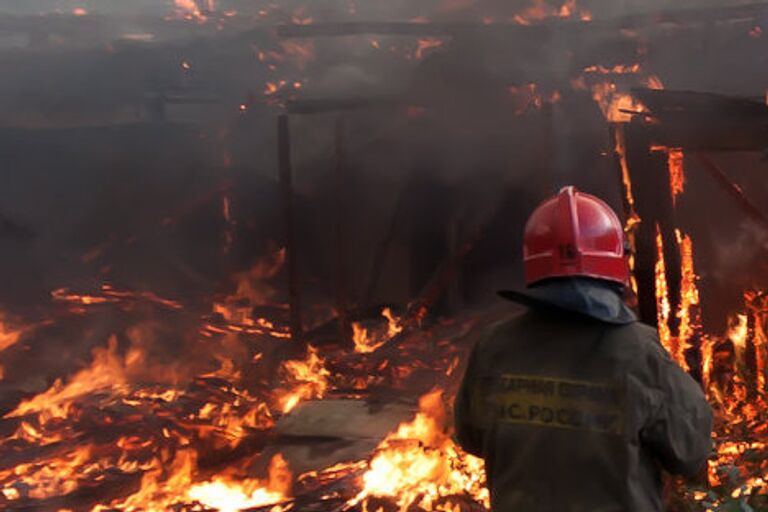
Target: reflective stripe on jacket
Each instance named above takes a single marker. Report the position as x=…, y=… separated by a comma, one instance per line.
x=573, y=414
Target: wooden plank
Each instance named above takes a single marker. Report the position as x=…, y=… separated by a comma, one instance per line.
x=670, y=17
x=653, y=203
x=705, y=121
x=342, y=299
x=286, y=188
x=747, y=206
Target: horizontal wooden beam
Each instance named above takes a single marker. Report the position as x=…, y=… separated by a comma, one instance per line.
x=705, y=121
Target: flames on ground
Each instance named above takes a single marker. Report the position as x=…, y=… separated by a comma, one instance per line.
x=127, y=433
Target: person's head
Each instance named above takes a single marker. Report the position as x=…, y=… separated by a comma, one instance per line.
x=574, y=234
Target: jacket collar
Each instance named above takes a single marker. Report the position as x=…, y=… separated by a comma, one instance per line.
x=593, y=298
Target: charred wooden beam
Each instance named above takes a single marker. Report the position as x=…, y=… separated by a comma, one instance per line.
x=382, y=251
x=705, y=121
x=752, y=211
x=342, y=295
x=653, y=203
x=324, y=105
x=286, y=187
x=683, y=17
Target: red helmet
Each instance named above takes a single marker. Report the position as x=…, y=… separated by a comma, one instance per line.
x=574, y=234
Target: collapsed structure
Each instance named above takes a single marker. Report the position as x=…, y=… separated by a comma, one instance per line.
x=280, y=321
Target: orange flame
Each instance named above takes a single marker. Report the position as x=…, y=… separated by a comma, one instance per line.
x=633, y=219
x=686, y=312
x=189, y=10
x=689, y=297
x=108, y=370
x=541, y=10
x=367, y=342
x=419, y=463
x=226, y=495
x=675, y=165
x=663, y=308
x=309, y=378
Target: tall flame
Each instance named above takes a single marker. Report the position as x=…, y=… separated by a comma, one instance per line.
x=309, y=378
x=633, y=219
x=663, y=308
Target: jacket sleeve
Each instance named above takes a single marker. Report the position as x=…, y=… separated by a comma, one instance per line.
x=678, y=431
x=468, y=435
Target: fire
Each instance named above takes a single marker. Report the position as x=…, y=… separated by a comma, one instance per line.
x=419, y=465
x=687, y=313
x=608, y=90
x=758, y=304
x=738, y=333
x=633, y=219
x=252, y=290
x=424, y=46
x=51, y=478
x=189, y=10
x=173, y=484
x=616, y=106
x=225, y=495
x=366, y=342
x=676, y=173
x=108, y=294
x=675, y=164
x=394, y=326
x=541, y=10
x=9, y=335
x=309, y=378
x=528, y=97
x=689, y=295
x=108, y=370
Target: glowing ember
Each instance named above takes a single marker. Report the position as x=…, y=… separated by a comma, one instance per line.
x=108, y=294
x=424, y=46
x=541, y=9
x=528, y=97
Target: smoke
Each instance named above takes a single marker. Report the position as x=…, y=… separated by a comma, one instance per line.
x=118, y=151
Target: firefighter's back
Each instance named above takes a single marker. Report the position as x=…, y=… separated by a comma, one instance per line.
x=566, y=409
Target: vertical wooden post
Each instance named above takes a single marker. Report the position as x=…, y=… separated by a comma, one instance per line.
x=342, y=301
x=382, y=251
x=286, y=188
x=653, y=203
x=455, y=291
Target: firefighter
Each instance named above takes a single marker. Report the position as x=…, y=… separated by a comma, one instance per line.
x=574, y=405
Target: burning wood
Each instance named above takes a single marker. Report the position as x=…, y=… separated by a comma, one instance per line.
x=110, y=438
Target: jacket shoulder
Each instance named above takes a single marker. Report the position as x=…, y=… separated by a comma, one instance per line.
x=644, y=339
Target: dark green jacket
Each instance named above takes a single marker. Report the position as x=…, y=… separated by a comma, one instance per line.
x=576, y=414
